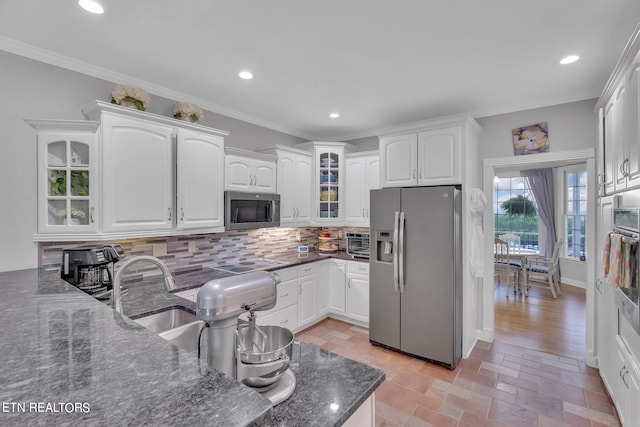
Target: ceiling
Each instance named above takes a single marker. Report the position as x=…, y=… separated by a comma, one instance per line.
x=378, y=63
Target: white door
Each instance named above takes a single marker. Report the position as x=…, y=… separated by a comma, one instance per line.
x=200, y=180
x=399, y=160
x=337, y=287
x=264, y=177
x=619, y=140
x=373, y=183
x=357, y=192
x=306, y=299
x=287, y=187
x=632, y=119
x=303, y=188
x=237, y=173
x=138, y=171
x=439, y=157
x=358, y=298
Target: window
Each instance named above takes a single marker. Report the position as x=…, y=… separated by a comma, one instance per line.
x=515, y=210
x=575, y=212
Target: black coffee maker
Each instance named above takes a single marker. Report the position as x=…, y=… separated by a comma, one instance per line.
x=90, y=268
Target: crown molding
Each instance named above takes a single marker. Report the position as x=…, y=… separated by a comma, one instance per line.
x=43, y=55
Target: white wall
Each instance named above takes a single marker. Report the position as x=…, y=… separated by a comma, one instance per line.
x=35, y=90
x=572, y=126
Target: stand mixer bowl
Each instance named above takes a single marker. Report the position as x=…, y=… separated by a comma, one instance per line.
x=263, y=354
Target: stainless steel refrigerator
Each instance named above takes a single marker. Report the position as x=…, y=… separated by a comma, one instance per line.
x=416, y=272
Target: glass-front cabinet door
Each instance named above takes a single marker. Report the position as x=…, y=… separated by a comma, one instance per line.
x=329, y=181
x=66, y=179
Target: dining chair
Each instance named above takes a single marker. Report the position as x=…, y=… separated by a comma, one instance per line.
x=504, y=264
x=543, y=270
x=512, y=239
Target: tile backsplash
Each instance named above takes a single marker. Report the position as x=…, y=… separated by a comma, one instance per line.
x=190, y=253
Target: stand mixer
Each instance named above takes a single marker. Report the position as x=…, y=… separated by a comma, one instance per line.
x=257, y=356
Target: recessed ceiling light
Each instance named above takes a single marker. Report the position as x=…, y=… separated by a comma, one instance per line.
x=91, y=6
x=245, y=75
x=334, y=115
x=569, y=59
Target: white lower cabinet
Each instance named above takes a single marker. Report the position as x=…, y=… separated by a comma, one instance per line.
x=358, y=291
x=285, y=312
x=331, y=287
x=626, y=385
x=307, y=281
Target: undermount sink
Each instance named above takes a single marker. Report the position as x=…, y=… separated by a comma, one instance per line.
x=166, y=320
x=176, y=325
x=186, y=336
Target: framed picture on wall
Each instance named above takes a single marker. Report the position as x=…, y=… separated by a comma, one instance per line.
x=531, y=139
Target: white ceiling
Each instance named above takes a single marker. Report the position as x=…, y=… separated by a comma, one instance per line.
x=379, y=63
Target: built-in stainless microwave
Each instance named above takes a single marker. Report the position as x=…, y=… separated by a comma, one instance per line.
x=250, y=210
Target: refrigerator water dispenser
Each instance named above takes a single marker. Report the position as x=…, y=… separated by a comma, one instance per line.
x=384, y=246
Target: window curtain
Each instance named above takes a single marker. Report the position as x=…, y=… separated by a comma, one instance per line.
x=541, y=184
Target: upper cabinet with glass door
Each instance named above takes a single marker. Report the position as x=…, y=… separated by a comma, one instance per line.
x=66, y=176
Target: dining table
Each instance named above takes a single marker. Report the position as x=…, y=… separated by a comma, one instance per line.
x=521, y=255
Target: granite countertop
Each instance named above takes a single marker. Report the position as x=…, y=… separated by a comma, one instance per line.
x=69, y=359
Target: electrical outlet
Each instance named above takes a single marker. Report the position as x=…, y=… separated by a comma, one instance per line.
x=159, y=249
x=298, y=238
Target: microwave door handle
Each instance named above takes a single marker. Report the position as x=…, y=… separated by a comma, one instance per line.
x=273, y=210
x=394, y=249
x=235, y=215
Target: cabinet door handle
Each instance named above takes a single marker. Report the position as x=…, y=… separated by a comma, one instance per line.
x=300, y=287
x=297, y=214
x=420, y=173
x=181, y=214
x=91, y=215
x=624, y=377
x=363, y=212
x=414, y=173
x=169, y=218
x=285, y=295
x=367, y=212
x=349, y=282
x=255, y=180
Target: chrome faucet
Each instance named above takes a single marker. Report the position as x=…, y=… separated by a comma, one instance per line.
x=117, y=292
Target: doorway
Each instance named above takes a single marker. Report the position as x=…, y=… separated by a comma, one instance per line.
x=491, y=166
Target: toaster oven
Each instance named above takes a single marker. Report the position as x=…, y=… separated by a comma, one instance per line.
x=358, y=245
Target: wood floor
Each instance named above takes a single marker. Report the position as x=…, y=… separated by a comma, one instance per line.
x=533, y=374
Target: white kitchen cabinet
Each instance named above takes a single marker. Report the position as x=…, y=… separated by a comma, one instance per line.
x=67, y=176
x=149, y=175
x=362, y=172
x=331, y=296
x=605, y=310
x=358, y=291
x=439, y=159
x=200, y=162
x=329, y=184
x=307, y=283
x=626, y=385
x=285, y=312
x=399, y=160
x=619, y=111
x=430, y=154
x=137, y=186
x=294, y=184
x=249, y=171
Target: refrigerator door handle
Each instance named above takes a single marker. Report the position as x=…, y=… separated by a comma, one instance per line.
x=400, y=251
x=395, y=251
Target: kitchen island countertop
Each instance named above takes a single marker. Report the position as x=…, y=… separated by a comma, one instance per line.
x=70, y=359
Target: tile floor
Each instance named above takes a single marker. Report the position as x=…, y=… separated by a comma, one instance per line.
x=500, y=384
